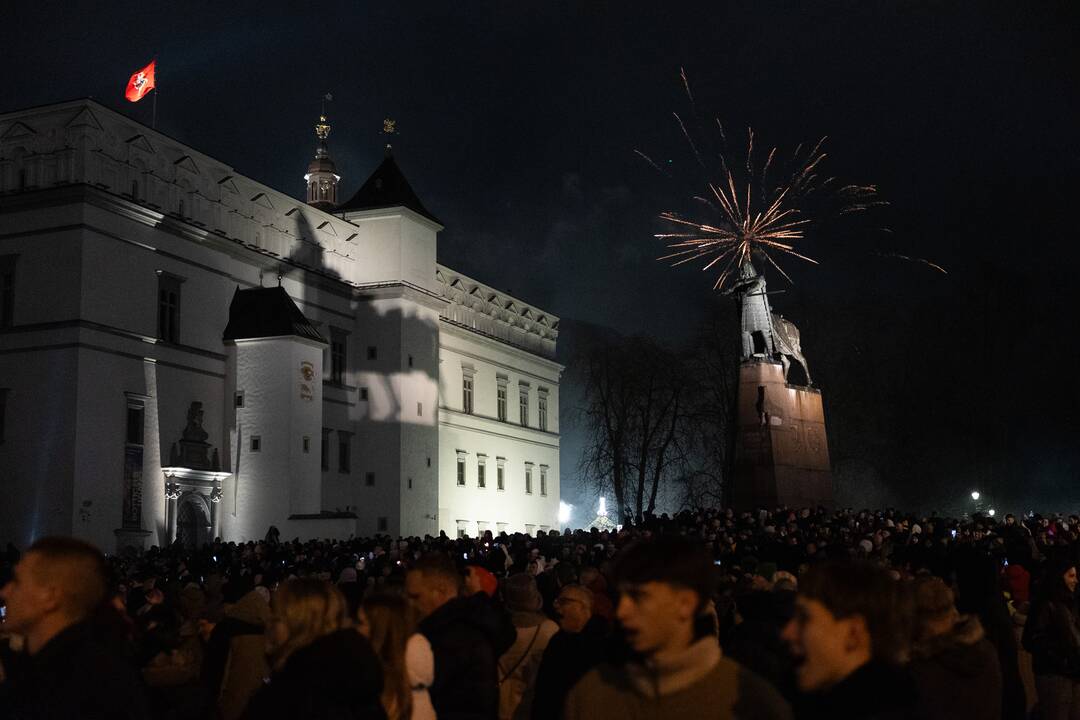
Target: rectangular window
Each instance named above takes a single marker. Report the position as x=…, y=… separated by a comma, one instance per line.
x=363, y=393
x=344, y=455
x=410, y=483
x=410, y=361
x=462, y=528
x=307, y=444
x=466, y=395
x=325, y=450
x=7, y=290
x=337, y=356
x=481, y=475
x=168, y=307
x=461, y=471
x=382, y=524
x=372, y=352
x=523, y=407
x=528, y=479
x=419, y=409
x=238, y=399
x=502, y=402
x=500, y=478
x=256, y=443
x=369, y=479
x=135, y=414
x=543, y=480
x=530, y=529
x=541, y=408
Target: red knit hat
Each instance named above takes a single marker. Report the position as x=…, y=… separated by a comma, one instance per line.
x=488, y=582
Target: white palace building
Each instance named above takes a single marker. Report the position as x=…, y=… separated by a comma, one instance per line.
x=186, y=353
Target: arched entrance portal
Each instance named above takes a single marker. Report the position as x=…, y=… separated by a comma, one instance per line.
x=193, y=522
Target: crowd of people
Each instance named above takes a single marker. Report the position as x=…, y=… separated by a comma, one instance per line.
x=712, y=613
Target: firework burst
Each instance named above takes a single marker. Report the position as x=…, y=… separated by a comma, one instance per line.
x=760, y=210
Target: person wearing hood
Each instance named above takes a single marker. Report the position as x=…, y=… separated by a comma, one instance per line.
x=467, y=636
x=675, y=668
x=518, y=666
x=1052, y=636
x=234, y=663
x=954, y=666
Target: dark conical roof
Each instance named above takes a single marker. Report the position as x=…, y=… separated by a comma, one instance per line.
x=387, y=187
x=267, y=312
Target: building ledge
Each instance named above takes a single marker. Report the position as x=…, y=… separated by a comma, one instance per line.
x=325, y=515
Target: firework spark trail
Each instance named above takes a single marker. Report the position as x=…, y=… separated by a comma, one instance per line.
x=923, y=261
x=649, y=160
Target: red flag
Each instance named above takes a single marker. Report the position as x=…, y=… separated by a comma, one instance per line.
x=140, y=83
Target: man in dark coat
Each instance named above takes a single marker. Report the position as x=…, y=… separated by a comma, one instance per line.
x=953, y=664
x=467, y=636
x=573, y=651
x=76, y=666
x=845, y=637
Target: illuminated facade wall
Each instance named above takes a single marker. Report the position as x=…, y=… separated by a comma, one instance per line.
x=97, y=212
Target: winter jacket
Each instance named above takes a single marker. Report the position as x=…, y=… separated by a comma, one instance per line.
x=235, y=662
x=1052, y=636
x=876, y=691
x=566, y=660
x=957, y=674
x=337, y=677
x=467, y=636
x=83, y=672
x=698, y=683
x=518, y=665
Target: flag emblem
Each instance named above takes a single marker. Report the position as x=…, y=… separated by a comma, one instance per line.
x=140, y=83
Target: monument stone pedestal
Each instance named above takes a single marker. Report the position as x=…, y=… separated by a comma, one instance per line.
x=781, y=449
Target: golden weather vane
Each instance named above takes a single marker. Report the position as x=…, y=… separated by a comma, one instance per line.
x=389, y=127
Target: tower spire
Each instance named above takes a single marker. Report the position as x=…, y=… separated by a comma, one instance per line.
x=322, y=178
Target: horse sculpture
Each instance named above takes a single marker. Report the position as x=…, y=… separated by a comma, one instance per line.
x=788, y=345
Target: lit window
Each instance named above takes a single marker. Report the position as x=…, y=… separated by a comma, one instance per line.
x=502, y=402
x=466, y=395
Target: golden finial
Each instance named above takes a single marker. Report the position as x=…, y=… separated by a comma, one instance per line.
x=322, y=128
x=388, y=126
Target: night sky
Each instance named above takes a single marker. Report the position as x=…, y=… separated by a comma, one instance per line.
x=517, y=124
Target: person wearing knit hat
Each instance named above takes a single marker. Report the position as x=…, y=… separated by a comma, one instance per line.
x=519, y=665
x=478, y=579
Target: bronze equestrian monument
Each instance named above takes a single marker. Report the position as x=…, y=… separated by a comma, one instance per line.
x=781, y=448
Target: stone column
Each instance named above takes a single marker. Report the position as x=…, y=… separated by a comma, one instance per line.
x=172, y=494
x=215, y=513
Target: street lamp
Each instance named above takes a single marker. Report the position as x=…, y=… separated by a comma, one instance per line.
x=974, y=494
x=564, y=513
x=991, y=511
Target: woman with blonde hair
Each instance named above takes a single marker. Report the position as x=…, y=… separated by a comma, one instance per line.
x=321, y=667
x=407, y=661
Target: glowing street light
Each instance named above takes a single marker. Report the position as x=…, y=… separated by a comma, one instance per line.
x=991, y=512
x=602, y=512
x=974, y=494
x=564, y=513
